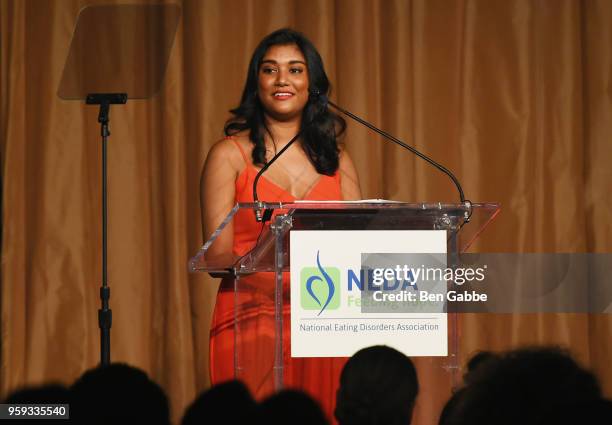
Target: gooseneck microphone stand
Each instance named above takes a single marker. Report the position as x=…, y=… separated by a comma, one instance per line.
x=404, y=145
x=453, y=320
x=262, y=214
x=105, y=314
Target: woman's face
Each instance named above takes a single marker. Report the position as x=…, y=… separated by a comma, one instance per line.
x=283, y=82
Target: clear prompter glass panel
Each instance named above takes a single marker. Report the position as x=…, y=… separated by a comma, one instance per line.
x=119, y=49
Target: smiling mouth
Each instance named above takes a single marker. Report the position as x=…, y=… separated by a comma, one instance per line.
x=282, y=95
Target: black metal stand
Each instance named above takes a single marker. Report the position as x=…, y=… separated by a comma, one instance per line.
x=105, y=315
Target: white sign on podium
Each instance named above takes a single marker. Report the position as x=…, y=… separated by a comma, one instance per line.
x=326, y=287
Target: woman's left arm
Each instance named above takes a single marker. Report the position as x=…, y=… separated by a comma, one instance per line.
x=349, y=180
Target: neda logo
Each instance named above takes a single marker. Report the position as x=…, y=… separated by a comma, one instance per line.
x=320, y=287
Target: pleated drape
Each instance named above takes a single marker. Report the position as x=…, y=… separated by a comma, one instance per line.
x=513, y=96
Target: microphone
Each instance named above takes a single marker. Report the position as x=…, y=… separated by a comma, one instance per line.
x=261, y=214
x=395, y=140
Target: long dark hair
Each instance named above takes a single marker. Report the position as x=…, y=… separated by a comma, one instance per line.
x=320, y=127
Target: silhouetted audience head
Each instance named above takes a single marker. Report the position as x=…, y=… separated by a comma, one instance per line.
x=378, y=386
x=448, y=411
x=527, y=386
x=477, y=360
x=227, y=403
x=118, y=394
x=597, y=411
x=44, y=394
x=291, y=407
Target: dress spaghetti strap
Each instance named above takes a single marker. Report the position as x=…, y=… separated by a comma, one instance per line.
x=242, y=152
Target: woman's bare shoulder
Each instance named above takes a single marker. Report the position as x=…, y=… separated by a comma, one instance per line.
x=242, y=139
x=343, y=155
x=348, y=176
x=232, y=149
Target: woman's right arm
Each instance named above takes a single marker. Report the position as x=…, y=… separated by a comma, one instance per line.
x=217, y=193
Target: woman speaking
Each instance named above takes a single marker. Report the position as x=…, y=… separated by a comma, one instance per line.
x=283, y=96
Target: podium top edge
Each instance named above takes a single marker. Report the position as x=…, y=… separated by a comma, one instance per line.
x=371, y=204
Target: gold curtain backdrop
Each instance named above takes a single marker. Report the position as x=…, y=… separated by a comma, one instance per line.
x=514, y=96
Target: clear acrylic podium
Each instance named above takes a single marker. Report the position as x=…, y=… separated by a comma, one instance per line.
x=260, y=277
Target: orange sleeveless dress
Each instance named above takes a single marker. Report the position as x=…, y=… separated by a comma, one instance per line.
x=253, y=311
